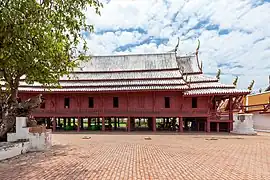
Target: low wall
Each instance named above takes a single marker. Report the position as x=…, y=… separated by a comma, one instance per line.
x=261, y=121
x=37, y=139
x=9, y=150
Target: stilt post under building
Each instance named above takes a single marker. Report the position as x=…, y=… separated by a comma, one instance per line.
x=79, y=124
x=180, y=124
x=231, y=113
x=208, y=125
x=54, y=124
x=128, y=124
x=154, y=125
x=103, y=123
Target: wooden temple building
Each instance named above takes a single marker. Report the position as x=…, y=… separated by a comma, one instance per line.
x=133, y=92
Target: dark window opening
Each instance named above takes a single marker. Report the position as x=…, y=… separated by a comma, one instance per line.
x=194, y=102
x=91, y=102
x=67, y=103
x=167, y=102
x=115, y=102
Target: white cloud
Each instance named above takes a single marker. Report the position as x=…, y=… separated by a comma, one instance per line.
x=246, y=47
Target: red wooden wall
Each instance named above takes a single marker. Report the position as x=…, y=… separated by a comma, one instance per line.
x=139, y=104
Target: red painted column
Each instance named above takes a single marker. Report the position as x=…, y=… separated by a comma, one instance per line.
x=128, y=124
x=217, y=127
x=208, y=125
x=231, y=113
x=180, y=124
x=54, y=124
x=154, y=124
x=79, y=124
x=103, y=124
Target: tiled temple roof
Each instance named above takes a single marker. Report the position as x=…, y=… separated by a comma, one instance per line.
x=215, y=91
x=107, y=89
x=117, y=83
x=139, y=62
x=170, y=73
x=141, y=72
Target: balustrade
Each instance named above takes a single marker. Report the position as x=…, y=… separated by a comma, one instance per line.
x=222, y=116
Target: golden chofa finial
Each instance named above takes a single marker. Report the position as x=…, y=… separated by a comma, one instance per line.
x=235, y=81
x=218, y=74
x=177, y=45
x=251, y=85
x=198, y=47
x=197, y=56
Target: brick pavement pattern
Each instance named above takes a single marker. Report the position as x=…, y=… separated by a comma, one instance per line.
x=130, y=156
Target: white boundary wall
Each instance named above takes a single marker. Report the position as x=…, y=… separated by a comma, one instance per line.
x=14, y=150
x=261, y=122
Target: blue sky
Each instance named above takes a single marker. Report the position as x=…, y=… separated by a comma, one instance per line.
x=234, y=34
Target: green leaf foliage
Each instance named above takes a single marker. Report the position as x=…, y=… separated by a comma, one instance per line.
x=39, y=39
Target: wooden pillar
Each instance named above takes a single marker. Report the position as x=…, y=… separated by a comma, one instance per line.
x=54, y=124
x=69, y=121
x=65, y=122
x=231, y=113
x=74, y=121
x=48, y=122
x=128, y=124
x=217, y=126
x=79, y=124
x=116, y=124
x=89, y=122
x=154, y=124
x=208, y=125
x=180, y=124
x=198, y=125
x=58, y=121
x=103, y=123
x=205, y=125
x=81, y=121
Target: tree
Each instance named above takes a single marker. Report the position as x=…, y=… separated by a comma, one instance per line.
x=39, y=42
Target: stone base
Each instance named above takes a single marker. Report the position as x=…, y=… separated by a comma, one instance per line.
x=39, y=137
x=9, y=150
x=244, y=133
x=243, y=124
x=40, y=141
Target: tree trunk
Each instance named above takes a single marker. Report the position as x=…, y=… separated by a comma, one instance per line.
x=12, y=109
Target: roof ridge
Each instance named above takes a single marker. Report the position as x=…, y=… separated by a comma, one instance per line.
x=122, y=71
x=134, y=54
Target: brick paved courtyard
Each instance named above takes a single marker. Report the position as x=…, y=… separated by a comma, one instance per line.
x=122, y=156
